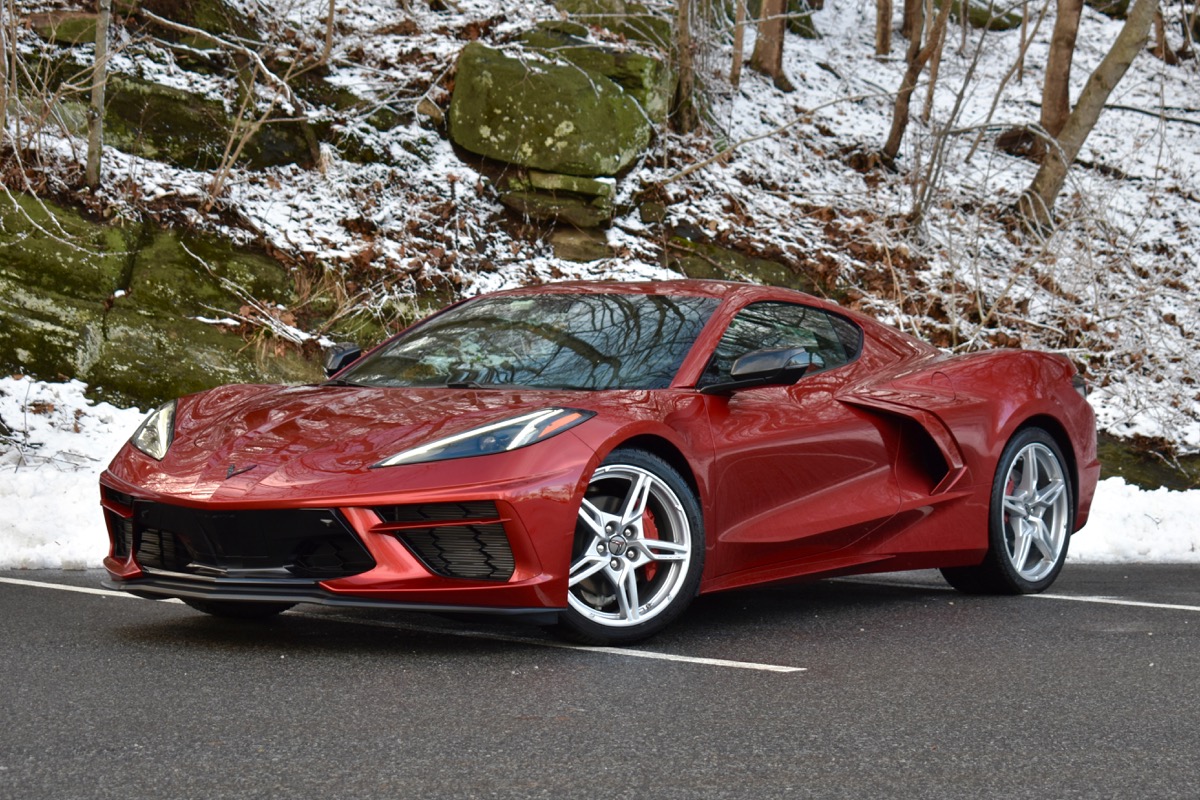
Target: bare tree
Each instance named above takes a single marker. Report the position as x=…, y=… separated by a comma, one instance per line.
x=328, y=47
x=935, y=63
x=739, y=38
x=686, y=117
x=3, y=70
x=917, y=57
x=1161, y=49
x=1056, y=90
x=768, y=48
x=914, y=18
x=883, y=27
x=96, y=110
x=1037, y=203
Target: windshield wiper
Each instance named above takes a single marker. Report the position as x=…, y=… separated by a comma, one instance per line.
x=343, y=382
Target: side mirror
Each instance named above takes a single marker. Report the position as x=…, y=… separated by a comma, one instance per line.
x=340, y=356
x=780, y=366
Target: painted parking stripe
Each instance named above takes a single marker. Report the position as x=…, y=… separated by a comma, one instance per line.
x=1097, y=599
x=1115, y=601
x=65, y=587
x=616, y=651
x=471, y=634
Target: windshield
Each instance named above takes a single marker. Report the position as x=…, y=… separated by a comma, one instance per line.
x=550, y=341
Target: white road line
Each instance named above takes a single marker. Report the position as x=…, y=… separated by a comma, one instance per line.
x=1097, y=599
x=614, y=651
x=1113, y=601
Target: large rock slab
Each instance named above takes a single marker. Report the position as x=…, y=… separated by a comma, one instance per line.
x=646, y=79
x=548, y=116
x=118, y=306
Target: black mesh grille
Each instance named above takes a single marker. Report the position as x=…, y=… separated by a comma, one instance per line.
x=122, y=534
x=439, y=512
x=307, y=543
x=462, y=551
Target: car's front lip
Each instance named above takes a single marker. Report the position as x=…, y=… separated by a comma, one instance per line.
x=536, y=510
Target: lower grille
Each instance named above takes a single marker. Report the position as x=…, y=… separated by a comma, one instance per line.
x=305, y=543
x=481, y=552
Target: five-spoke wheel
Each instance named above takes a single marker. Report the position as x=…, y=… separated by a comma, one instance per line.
x=1031, y=518
x=638, y=551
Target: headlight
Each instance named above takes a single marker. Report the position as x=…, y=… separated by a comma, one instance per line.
x=154, y=435
x=498, y=437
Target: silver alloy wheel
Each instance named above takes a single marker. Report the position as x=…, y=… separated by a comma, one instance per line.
x=1036, y=512
x=633, y=545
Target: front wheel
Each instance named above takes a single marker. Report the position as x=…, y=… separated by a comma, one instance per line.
x=1031, y=518
x=638, y=551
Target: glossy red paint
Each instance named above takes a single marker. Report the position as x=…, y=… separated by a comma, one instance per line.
x=884, y=463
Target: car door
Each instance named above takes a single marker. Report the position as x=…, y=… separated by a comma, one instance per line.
x=798, y=474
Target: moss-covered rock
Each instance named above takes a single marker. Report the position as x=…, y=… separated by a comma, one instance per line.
x=578, y=210
x=981, y=14
x=705, y=260
x=64, y=27
x=646, y=79
x=582, y=245
x=542, y=115
x=117, y=306
x=215, y=16
x=181, y=128
x=633, y=20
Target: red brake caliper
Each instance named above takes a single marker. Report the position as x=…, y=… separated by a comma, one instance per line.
x=649, y=531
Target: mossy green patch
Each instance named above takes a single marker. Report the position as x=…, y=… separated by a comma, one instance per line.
x=547, y=116
x=116, y=306
x=704, y=260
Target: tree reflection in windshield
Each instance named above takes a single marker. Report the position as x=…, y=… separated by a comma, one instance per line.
x=573, y=341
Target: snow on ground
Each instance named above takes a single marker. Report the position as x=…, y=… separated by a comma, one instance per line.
x=60, y=442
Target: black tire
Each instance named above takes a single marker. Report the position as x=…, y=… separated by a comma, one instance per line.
x=238, y=609
x=638, y=551
x=1030, y=520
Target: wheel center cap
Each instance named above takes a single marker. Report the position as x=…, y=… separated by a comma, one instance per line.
x=617, y=544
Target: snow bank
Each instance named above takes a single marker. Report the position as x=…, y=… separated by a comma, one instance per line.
x=60, y=442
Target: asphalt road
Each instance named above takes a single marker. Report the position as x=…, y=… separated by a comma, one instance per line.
x=893, y=686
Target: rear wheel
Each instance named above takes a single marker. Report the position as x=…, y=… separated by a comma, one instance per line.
x=237, y=609
x=1031, y=518
x=638, y=551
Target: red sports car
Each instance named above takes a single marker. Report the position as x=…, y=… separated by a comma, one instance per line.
x=594, y=455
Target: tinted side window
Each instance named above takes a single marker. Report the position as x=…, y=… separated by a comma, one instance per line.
x=831, y=339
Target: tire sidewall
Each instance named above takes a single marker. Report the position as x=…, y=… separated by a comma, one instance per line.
x=997, y=535
x=584, y=629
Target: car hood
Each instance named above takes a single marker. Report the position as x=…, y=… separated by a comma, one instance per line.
x=338, y=428
x=247, y=442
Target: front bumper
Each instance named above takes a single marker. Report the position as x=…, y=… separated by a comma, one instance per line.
x=498, y=546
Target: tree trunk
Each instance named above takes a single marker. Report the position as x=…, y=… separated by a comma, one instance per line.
x=917, y=58
x=96, y=111
x=914, y=19
x=328, y=48
x=686, y=118
x=739, y=39
x=3, y=70
x=1161, y=49
x=1056, y=91
x=1037, y=203
x=883, y=27
x=935, y=64
x=1024, y=42
x=768, y=49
